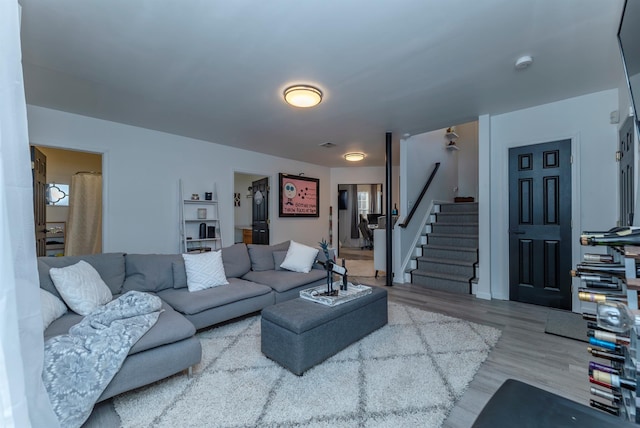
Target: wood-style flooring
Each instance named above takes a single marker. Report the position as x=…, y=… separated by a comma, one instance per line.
x=524, y=351
x=355, y=253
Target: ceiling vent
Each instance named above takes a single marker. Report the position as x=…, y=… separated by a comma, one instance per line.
x=328, y=145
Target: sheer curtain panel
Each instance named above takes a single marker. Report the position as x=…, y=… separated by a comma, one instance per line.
x=84, y=229
x=23, y=399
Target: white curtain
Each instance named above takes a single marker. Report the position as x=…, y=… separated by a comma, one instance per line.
x=84, y=228
x=23, y=399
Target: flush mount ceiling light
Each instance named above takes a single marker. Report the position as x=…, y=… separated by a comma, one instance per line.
x=354, y=156
x=302, y=96
x=523, y=62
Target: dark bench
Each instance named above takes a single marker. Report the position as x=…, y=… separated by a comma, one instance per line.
x=517, y=404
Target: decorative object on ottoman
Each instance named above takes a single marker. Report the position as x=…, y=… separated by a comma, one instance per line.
x=338, y=297
x=332, y=268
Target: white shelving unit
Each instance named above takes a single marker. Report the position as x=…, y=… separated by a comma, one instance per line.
x=452, y=137
x=195, y=213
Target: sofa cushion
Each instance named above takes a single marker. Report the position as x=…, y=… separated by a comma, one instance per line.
x=110, y=266
x=262, y=255
x=236, y=260
x=62, y=325
x=51, y=308
x=284, y=280
x=171, y=327
x=192, y=303
x=81, y=287
x=149, y=272
x=204, y=270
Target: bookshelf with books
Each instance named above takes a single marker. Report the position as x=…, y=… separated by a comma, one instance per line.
x=609, y=291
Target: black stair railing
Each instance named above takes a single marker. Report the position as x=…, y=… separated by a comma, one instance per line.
x=424, y=190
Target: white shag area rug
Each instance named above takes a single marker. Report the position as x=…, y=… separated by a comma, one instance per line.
x=409, y=373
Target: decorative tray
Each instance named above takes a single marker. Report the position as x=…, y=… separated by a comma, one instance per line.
x=318, y=294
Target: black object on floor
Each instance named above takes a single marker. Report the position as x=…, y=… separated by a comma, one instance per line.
x=517, y=404
x=566, y=324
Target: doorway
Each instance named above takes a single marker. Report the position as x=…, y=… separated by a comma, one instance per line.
x=540, y=224
x=245, y=201
x=61, y=165
x=260, y=211
x=359, y=207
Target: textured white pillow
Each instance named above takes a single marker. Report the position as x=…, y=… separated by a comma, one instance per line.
x=81, y=287
x=300, y=258
x=204, y=270
x=52, y=308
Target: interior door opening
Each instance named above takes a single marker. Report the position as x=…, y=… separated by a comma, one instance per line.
x=359, y=207
x=245, y=199
x=62, y=165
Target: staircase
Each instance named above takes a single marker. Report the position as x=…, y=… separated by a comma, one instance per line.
x=447, y=257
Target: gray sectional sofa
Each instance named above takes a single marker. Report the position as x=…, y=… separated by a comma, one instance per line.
x=170, y=346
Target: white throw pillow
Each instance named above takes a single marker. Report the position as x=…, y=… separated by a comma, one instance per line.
x=204, y=270
x=52, y=308
x=300, y=258
x=81, y=287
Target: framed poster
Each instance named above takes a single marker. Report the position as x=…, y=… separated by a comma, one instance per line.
x=299, y=196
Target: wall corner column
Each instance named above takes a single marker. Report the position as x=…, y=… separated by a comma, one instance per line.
x=483, y=290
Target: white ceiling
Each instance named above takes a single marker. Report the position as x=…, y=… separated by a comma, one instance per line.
x=215, y=69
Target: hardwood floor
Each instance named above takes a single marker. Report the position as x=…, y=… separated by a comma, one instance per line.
x=356, y=253
x=524, y=351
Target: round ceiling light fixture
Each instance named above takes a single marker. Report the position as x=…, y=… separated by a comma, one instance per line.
x=354, y=156
x=303, y=96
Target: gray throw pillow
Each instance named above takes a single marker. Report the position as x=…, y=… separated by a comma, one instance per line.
x=149, y=272
x=262, y=255
x=236, y=260
x=179, y=274
x=278, y=258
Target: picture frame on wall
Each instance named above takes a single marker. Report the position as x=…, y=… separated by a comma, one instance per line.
x=298, y=196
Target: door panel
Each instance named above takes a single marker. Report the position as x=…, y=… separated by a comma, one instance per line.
x=540, y=224
x=260, y=211
x=39, y=174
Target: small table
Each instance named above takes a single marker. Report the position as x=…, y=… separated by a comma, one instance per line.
x=298, y=334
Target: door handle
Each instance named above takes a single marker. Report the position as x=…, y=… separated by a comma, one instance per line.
x=516, y=232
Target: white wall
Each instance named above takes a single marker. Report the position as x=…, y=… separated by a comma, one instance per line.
x=468, y=159
x=583, y=119
x=141, y=171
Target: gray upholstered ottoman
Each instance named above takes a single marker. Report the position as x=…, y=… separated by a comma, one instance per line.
x=298, y=334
